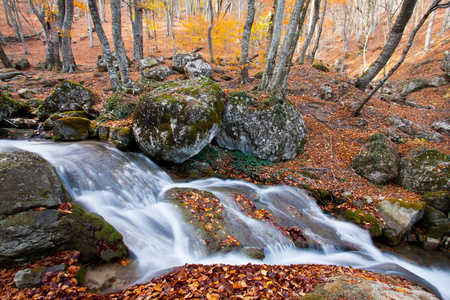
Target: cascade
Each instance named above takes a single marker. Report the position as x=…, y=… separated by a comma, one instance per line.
x=127, y=190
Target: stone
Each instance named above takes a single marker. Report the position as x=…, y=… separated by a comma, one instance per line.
x=339, y=65
x=68, y=96
x=377, y=161
x=445, y=65
x=101, y=64
x=31, y=277
x=399, y=217
x=149, y=62
x=414, y=130
x=22, y=65
x=366, y=221
x=120, y=137
x=198, y=68
x=25, y=93
x=267, y=130
x=419, y=84
x=49, y=124
x=326, y=92
x=159, y=73
x=425, y=171
x=178, y=119
x=180, y=60
x=71, y=129
x=439, y=200
x=442, y=126
x=30, y=178
x=10, y=107
x=118, y=107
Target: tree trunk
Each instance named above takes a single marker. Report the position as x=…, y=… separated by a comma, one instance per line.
x=5, y=60
x=289, y=42
x=314, y=18
x=15, y=19
x=392, y=43
x=274, y=43
x=246, y=40
x=68, y=61
x=113, y=78
x=435, y=5
x=319, y=33
x=102, y=11
x=428, y=35
x=211, y=25
x=7, y=12
x=445, y=22
x=116, y=19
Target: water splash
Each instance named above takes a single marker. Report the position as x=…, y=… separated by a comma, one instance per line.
x=127, y=190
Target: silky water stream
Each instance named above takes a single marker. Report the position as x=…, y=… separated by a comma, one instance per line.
x=127, y=190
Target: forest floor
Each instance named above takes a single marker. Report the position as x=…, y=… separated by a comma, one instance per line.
x=334, y=137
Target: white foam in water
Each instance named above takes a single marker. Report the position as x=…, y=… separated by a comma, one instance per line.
x=126, y=189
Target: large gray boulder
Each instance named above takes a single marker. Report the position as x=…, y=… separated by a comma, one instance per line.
x=419, y=84
x=10, y=107
x=178, y=119
x=67, y=96
x=71, y=129
x=159, y=73
x=37, y=216
x=378, y=160
x=180, y=60
x=399, y=217
x=425, y=171
x=272, y=131
x=198, y=68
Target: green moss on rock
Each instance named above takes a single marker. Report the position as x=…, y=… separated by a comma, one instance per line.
x=71, y=129
x=366, y=221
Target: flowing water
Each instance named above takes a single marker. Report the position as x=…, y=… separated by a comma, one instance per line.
x=127, y=190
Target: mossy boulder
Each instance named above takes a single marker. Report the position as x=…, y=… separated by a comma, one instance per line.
x=10, y=107
x=365, y=220
x=425, y=171
x=68, y=96
x=27, y=181
x=180, y=60
x=119, y=106
x=178, y=119
x=38, y=217
x=159, y=73
x=439, y=200
x=22, y=64
x=50, y=122
x=399, y=217
x=71, y=129
x=377, y=161
x=270, y=129
x=120, y=137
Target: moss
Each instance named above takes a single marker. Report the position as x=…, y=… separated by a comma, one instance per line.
x=416, y=205
x=321, y=67
x=366, y=221
x=71, y=128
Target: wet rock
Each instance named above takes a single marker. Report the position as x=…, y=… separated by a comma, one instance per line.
x=378, y=160
x=159, y=73
x=178, y=119
x=118, y=107
x=425, y=171
x=10, y=107
x=68, y=96
x=121, y=137
x=198, y=68
x=399, y=217
x=413, y=129
x=365, y=220
x=49, y=124
x=22, y=65
x=31, y=277
x=270, y=130
x=71, y=129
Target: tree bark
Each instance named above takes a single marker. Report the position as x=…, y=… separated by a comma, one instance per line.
x=68, y=61
x=5, y=60
x=246, y=41
x=102, y=11
x=211, y=25
x=15, y=19
x=392, y=43
x=319, y=33
x=428, y=35
x=116, y=18
x=7, y=12
x=274, y=43
x=315, y=18
x=435, y=5
x=445, y=22
x=113, y=78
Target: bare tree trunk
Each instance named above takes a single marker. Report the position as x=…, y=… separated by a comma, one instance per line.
x=435, y=5
x=113, y=78
x=319, y=33
x=274, y=43
x=154, y=30
x=445, y=22
x=392, y=43
x=314, y=18
x=7, y=12
x=91, y=33
x=68, y=60
x=121, y=56
x=428, y=35
x=211, y=25
x=15, y=19
x=246, y=41
x=102, y=11
x=4, y=58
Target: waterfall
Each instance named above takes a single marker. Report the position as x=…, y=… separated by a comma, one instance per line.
x=127, y=190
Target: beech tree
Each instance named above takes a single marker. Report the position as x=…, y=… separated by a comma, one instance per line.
x=394, y=39
x=120, y=54
x=314, y=19
x=211, y=24
x=319, y=33
x=246, y=41
x=64, y=24
x=4, y=58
